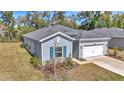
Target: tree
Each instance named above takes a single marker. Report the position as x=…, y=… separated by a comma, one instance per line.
x=37, y=20
x=105, y=19
x=47, y=15
x=9, y=22
x=89, y=19
x=58, y=16
x=121, y=21
x=70, y=21
x=22, y=20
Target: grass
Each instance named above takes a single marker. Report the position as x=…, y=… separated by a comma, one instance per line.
x=14, y=63
x=92, y=72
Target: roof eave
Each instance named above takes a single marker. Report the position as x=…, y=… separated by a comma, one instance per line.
x=57, y=33
x=94, y=39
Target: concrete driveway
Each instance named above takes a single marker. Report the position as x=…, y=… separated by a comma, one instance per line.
x=109, y=63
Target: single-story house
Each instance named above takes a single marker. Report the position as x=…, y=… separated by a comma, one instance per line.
x=57, y=41
x=50, y=42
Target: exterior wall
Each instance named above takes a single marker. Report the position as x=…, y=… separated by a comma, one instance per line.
x=116, y=42
x=38, y=50
x=104, y=43
x=29, y=45
x=51, y=43
x=76, y=49
x=35, y=47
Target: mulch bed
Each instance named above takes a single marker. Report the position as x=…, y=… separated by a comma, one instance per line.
x=57, y=71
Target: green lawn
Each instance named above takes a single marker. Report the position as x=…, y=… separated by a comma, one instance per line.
x=14, y=63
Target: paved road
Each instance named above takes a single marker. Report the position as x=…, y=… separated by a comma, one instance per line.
x=109, y=63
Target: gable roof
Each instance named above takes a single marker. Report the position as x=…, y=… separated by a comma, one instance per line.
x=88, y=34
x=46, y=32
x=50, y=30
x=101, y=33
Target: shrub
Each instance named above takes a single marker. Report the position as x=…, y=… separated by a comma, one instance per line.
x=69, y=61
x=115, y=51
x=35, y=61
x=47, y=63
x=120, y=49
x=22, y=45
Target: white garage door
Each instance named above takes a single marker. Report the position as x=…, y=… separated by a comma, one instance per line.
x=90, y=51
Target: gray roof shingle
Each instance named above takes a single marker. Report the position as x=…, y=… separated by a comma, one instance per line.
x=47, y=31
x=109, y=32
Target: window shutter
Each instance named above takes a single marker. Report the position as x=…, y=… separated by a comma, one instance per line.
x=51, y=52
x=64, y=51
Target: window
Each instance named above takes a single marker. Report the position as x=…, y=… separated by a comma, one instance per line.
x=29, y=47
x=58, y=51
x=26, y=44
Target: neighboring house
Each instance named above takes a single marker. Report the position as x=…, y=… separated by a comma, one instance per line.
x=57, y=41
x=116, y=35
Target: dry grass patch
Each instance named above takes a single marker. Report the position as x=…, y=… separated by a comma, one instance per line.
x=92, y=72
x=14, y=63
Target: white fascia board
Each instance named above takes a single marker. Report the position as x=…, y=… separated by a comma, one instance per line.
x=92, y=39
x=118, y=37
x=66, y=35
x=55, y=35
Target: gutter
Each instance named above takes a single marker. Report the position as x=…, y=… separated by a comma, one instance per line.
x=55, y=35
x=94, y=39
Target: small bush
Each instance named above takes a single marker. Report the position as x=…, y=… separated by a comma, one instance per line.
x=47, y=63
x=35, y=61
x=120, y=49
x=22, y=45
x=69, y=61
x=115, y=51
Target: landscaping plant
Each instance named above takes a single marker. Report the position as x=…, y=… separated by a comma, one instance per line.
x=35, y=61
x=69, y=61
x=115, y=51
x=22, y=45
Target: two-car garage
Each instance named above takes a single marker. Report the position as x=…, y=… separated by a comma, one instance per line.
x=93, y=47
x=91, y=51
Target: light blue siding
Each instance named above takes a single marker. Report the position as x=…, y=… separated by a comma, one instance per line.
x=35, y=47
x=51, y=43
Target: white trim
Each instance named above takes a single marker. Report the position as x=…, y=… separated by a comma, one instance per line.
x=92, y=39
x=118, y=37
x=55, y=35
